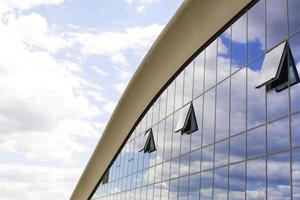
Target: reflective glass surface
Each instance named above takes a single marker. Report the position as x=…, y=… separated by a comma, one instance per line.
x=239, y=43
x=256, y=30
x=210, y=65
x=276, y=14
x=247, y=145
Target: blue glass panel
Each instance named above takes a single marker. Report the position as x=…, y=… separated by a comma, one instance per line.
x=222, y=110
x=256, y=179
x=237, y=181
x=279, y=176
x=256, y=142
x=256, y=113
x=221, y=183
x=238, y=102
x=210, y=65
x=278, y=135
x=208, y=117
x=206, y=185
x=224, y=55
x=276, y=21
x=256, y=30
x=239, y=43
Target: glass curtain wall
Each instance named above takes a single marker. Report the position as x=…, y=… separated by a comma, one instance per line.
x=247, y=142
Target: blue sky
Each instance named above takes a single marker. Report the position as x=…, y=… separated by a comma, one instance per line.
x=63, y=67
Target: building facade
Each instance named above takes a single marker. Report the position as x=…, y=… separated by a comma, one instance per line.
x=227, y=124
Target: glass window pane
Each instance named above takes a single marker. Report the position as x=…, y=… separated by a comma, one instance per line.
x=199, y=75
x=176, y=139
x=151, y=175
x=158, y=173
x=276, y=22
x=183, y=188
x=173, y=189
x=168, y=138
x=238, y=148
x=295, y=50
x=185, y=143
x=221, y=183
x=294, y=15
x=184, y=164
x=278, y=135
x=175, y=168
x=256, y=179
x=238, y=102
x=256, y=97
x=179, y=91
x=208, y=117
x=194, y=187
x=170, y=98
x=271, y=65
x=157, y=191
x=155, y=112
x=222, y=110
x=188, y=83
x=296, y=174
x=149, y=118
x=278, y=105
x=159, y=143
x=166, y=170
x=295, y=130
x=195, y=162
x=256, y=140
x=182, y=115
x=196, y=136
x=207, y=157
x=256, y=30
x=210, y=65
x=163, y=105
x=165, y=190
x=237, y=181
x=206, y=185
x=221, y=153
x=239, y=43
x=224, y=53
x=279, y=176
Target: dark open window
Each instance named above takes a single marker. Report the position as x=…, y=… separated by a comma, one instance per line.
x=187, y=122
x=149, y=142
x=277, y=66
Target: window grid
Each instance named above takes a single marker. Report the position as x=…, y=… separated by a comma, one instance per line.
x=117, y=179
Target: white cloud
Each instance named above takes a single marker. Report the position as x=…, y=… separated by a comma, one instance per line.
x=115, y=43
x=7, y=6
x=119, y=59
x=43, y=99
x=99, y=71
x=34, y=182
x=140, y=5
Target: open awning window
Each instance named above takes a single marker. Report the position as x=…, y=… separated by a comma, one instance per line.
x=276, y=67
x=187, y=123
x=149, y=143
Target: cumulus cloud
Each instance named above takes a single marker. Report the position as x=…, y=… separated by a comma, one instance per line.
x=140, y=5
x=7, y=6
x=113, y=44
x=35, y=182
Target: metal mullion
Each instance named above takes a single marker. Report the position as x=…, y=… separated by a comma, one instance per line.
x=229, y=115
x=203, y=99
x=246, y=125
x=290, y=110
